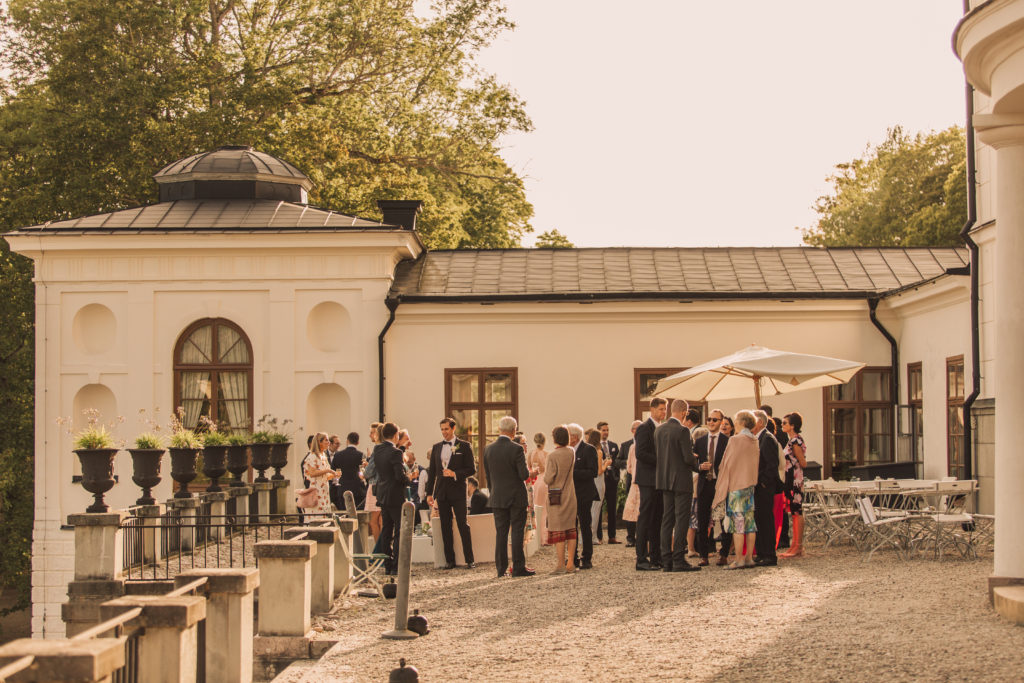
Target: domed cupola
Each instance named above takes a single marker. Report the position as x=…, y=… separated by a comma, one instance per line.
x=232, y=172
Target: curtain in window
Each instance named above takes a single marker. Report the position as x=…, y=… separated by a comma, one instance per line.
x=195, y=394
x=234, y=399
x=230, y=345
x=198, y=348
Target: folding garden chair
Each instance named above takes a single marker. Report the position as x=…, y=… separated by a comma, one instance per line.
x=881, y=531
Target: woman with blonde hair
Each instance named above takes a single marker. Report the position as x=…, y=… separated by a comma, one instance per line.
x=370, y=474
x=317, y=470
x=537, y=462
x=734, y=489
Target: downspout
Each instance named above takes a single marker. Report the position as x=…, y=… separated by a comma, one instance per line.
x=392, y=305
x=894, y=383
x=965, y=234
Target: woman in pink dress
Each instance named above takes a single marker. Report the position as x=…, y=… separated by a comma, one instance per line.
x=537, y=461
x=631, y=508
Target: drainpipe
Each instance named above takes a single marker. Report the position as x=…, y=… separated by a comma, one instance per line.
x=894, y=384
x=965, y=234
x=392, y=305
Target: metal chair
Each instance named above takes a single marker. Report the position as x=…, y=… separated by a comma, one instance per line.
x=882, y=531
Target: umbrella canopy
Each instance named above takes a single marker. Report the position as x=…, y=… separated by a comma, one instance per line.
x=756, y=369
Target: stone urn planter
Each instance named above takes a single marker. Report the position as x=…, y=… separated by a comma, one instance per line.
x=146, y=471
x=238, y=463
x=279, y=458
x=183, y=469
x=97, y=474
x=261, y=459
x=214, y=465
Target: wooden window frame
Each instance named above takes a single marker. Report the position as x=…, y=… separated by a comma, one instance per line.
x=916, y=406
x=213, y=368
x=640, y=404
x=858, y=405
x=480, y=405
x=954, y=469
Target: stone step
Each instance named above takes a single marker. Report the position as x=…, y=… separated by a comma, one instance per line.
x=1009, y=602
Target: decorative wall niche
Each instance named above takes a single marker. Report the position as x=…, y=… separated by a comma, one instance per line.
x=94, y=329
x=328, y=326
x=328, y=409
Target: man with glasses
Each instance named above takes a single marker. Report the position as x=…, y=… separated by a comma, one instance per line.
x=709, y=449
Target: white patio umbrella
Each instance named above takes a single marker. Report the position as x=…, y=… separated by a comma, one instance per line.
x=756, y=368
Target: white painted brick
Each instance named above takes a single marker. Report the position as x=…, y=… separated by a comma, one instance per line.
x=55, y=594
x=38, y=562
x=37, y=594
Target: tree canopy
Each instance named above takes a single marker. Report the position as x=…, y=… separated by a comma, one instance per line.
x=552, y=239
x=908, y=191
x=369, y=99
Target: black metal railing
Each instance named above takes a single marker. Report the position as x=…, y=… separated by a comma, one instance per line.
x=119, y=626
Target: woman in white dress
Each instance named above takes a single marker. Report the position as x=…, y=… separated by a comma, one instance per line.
x=371, y=480
x=317, y=470
x=537, y=462
x=593, y=437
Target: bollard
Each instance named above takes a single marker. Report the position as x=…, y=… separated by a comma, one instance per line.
x=350, y=505
x=401, y=631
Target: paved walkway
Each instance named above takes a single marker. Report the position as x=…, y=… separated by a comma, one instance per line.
x=826, y=617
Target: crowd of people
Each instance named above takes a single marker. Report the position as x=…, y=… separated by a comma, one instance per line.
x=683, y=484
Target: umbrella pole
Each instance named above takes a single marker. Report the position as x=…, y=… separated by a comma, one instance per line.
x=757, y=392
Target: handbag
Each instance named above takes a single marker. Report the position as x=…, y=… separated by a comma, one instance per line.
x=307, y=498
x=555, y=494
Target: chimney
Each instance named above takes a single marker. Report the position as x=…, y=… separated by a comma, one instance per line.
x=400, y=211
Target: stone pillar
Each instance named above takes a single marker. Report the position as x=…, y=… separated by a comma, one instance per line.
x=229, y=615
x=322, y=570
x=342, y=555
x=281, y=489
x=56, y=660
x=152, y=543
x=218, y=514
x=99, y=563
x=363, y=533
x=263, y=490
x=1006, y=135
x=285, y=573
x=186, y=508
x=240, y=502
x=168, y=643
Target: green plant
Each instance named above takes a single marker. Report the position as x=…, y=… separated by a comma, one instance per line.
x=272, y=431
x=215, y=439
x=261, y=436
x=149, y=441
x=93, y=437
x=185, y=438
x=278, y=437
x=240, y=439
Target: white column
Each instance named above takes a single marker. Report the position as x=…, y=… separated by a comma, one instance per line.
x=1006, y=135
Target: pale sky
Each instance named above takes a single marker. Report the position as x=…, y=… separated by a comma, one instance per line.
x=672, y=123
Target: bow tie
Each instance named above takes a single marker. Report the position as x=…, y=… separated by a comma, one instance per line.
x=450, y=443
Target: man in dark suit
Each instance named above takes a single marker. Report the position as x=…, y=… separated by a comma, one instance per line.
x=611, y=484
x=451, y=461
x=583, y=474
x=349, y=460
x=648, y=523
x=621, y=463
x=673, y=476
x=391, y=483
x=505, y=467
x=709, y=449
x=775, y=427
x=479, y=503
x=764, y=492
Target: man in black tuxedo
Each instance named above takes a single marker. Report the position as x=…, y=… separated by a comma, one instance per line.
x=506, y=471
x=709, y=449
x=583, y=474
x=451, y=461
x=648, y=523
x=391, y=483
x=611, y=484
x=622, y=462
x=764, y=492
x=348, y=460
x=673, y=477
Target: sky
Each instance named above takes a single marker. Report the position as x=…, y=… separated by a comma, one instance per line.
x=674, y=123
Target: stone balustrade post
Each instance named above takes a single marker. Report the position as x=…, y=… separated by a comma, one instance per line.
x=343, y=556
x=150, y=519
x=186, y=509
x=322, y=568
x=285, y=573
x=281, y=499
x=263, y=490
x=218, y=510
x=229, y=615
x=169, y=640
x=363, y=532
x=99, y=563
x=58, y=660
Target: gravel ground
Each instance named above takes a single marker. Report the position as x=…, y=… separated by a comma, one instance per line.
x=826, y=617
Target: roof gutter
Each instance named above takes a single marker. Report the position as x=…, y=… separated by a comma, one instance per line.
x=965, y=234
x=587, y=297
x=392, y=305
x=894, y=379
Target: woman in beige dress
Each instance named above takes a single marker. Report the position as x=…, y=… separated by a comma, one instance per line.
x=631, y=508
x=537, y=462
x=562, y=517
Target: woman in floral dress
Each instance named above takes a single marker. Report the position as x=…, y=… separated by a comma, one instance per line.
x=796, y=460
x=536, y=461
x=317, y=470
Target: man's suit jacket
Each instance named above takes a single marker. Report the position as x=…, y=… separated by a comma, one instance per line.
x=584, y=472
x=611, y=473
x=675, y=460
x=479, y=504
x=445, y=488
x=506, y=470
x=700, y=447
x=391, y=479
x=768, y=461
x=348, y=461
x=622, y=459
x=646, y=454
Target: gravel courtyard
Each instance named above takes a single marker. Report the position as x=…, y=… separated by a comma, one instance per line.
x=826, y=617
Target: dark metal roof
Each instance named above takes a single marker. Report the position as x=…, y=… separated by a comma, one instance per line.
x=662, y=273
x=212, y=215
x=232, y=163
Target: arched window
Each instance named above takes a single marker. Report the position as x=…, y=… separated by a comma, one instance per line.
x=213, y=374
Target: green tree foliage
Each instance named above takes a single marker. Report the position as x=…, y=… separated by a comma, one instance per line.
x=552, y=239
x=369, y=99
x=16, y=434
x=905, y=192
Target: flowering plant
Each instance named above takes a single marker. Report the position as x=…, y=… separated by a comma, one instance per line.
x=180, y=436
x=94, y=435
x=151, y=439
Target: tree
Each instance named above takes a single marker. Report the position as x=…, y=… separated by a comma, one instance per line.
x=905, y=192
x=366, y=97
x=552, y=239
